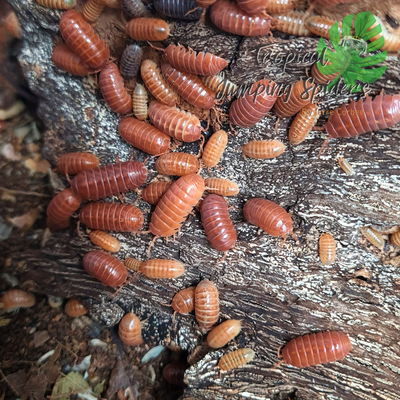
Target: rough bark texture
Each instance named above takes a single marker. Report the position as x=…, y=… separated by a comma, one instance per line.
x=277, y=295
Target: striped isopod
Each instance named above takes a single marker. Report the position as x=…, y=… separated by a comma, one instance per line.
x=59, y=4
x=303, y=124
x=327, y=249
x=214, y=148
x=105, y=268
x=144, y=136
x=175, y=205
x=181, y=9
x=224, y=333
x=154, y=191
x=320, y=26
x=132, y=264
x=218, y=226
x=220, y=85
x=139, y=100
x=130, y=61
x=112, y=4
x=61, y=208
x=374, y=237
x=395, y=239
x=392, y=41
x=156, y=84
x=13, y=26
x=74, y=308
x=81, y=38
x=268, y=216
x=157, y=268
x=364, y=116
x=280, y=6
x=262, y=149
x=73, y=163
x=151, y=29
x=179, y=164
x=253, y=7
x=92, y=10
x=104, y=240
x=248, y=110
x=178, y=124
x=321, y=78
x=174, y=373
x=317, y=348
x=133, y=8
x=111, y=217
x=107, y=180
x=195, y=63
x=14, y=299
x=112, y=88
x=206, y=304
x=230, y=18
x=235, y=359
x=223, y=187
x=130, y=330
x=64, y=58
x=346, y=166
x=299, y=96
x=183, y=301
x=190, y=87
x=293, y=23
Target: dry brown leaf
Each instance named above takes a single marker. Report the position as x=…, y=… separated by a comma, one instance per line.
x=27, y=220
x=42, y=166
x=40, y=338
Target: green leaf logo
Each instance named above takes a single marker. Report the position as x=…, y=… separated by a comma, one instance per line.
x=349, y=59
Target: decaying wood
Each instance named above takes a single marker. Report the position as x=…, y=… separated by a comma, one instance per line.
x=277, y=296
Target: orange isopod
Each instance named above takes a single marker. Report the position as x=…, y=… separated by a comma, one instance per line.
x=74, y=308
x=64, y=58
x=104, y=240
x=59, y=4
x=179, y=164
x=262, y=149
x=346, y=166
x=206, y=304
x=375, y=238
x=280, y=6
x=14, y=299
x=321, y=78
x=214, y=148
x=220, y=85
x=395, y=238
x=130, y=330
x=327, y=249
x=392, y=40
x=13, y=26
x=235, y=359
x=293, y=23
x=223, y=187
x=73, y=163
x=320, y=25
x=132, y=264
x=139, y=101
x=157, y=268
x=224, y=333
x=183, y=301
x=154, y=191
x=92, y=10
x=156, y=84
x=112, y=4
x=303, y=124
x=147, y=29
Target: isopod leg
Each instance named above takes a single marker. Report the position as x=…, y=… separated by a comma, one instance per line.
x=151, y=244
x=223, y=257
x=78, y=231
x=284, y=240
x=189, y=12
x=324, y=146
x=201, y=145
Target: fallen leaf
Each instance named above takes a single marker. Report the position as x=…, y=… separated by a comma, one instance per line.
x=27, y=220
x=32, y=384
x=50, y=369
x=98, y=389
x=68, y=385
x=119, y=379
x=40, y=338
x=55, y=181
x=13, y=111
x=42, y=166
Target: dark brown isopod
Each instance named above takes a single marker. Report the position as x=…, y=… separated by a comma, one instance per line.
x=174, y=373
x=133, y=8
x=130, y=61
x=181, y=9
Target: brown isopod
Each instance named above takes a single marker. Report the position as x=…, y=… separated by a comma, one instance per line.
x=64, y=58
x=346, y=166
x=205, y=3
x=154, y=191
x=147, y=29
x=214, y=148
x=223, y=187
x=157, y=268
x=139, y=100
x=92, y=10
x=174, y=373
x=83, y=41
x=263, y=149
x=144, y=136
x=132, y=264
x=189, y=86
x=303, y=123
x=105, y=268
x=73, y=163
x=317, y=348
x=224, y=333
x=178, y=124
x=198, y=354
x=112, y=88
x=183, y=301
x=15, y=299
x=130, y=330
x=395, y=238
x=74, y=308
x=131, y=60
x=105, y=241
x=235, y=359
x=293, y=23
x=327, y=249
x=13, y=26
x=156, y=84
x=61, y=208
x=59, y=4
x=133, y=8
x=320, y=25
x=111, y=217
x=206, y=304
x=375, y=238
x=321, y=78
x=220, y=85
x=280, y=6
x=179, y=164
x=112, y=4
x=253, y=7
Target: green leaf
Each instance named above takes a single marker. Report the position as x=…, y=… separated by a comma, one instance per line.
x=334, y=35
x=346, y=25
x=98, y=389
x=368, y=61
x=333, y=83
x=376, y=44
x=363, y=22
x=376, y=30
x=67, y=385
x=364, y=75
